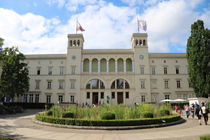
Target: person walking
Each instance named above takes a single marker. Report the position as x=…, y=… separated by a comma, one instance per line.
x=187, y=110
x=204, y=111
x=198, y=113
x=192, y=109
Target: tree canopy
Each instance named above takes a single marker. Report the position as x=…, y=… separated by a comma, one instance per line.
x=14, y=77
x=198, y=57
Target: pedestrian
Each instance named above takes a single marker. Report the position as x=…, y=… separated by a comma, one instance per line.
x=198, y=113
x=177, y=108
x=192, y=109
x=187, y=110
x=204, y=111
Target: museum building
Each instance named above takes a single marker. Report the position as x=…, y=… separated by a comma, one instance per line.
x=112, y=76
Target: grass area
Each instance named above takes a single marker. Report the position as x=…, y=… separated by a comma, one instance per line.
x=120, y=111
x=6, y=138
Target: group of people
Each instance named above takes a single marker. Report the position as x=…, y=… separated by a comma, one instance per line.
x=197, y=110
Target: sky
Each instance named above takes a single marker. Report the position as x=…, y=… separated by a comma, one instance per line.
x=41, y=26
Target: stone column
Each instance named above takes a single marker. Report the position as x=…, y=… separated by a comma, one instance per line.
x=133, y=66
x=124, y=65
x=116, y=66
x=99, y=66
x=90, y=66
x=81, y=67
x=107, y=66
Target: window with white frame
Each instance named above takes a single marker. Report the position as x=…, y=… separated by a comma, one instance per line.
x=36, y=98
x=154, y=83
x=141, y=69
x=37, y=83
x=72, y=83
x=49, y=84
x=49, y=70
x=72, y=98
x=31, y=98
x=142, y=84
x=153, y=70
x=73, y=69
x=61, y=70
x=165, y=70
x=143, y=98
x=48, y=99
x=60, y=98
x=178, y=83
x=167, y=96
x=61, y=84
x=166, y=84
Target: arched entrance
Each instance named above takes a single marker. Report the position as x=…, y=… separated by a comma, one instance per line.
x=120, y=89
x=95, y=90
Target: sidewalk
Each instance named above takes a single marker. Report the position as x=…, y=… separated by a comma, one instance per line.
x=22, y=127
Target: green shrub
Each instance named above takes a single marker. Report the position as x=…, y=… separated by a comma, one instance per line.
x=205, y=137
x=148, y=115
x=164, y=112
x=6, y=138
x=68, y=115
x=49, y=113
x=129, y=122
x=108, y=116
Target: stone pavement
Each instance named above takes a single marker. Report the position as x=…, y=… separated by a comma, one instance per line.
x=21, y=127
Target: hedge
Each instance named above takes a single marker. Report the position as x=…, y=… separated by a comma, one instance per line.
x=29, y=105
x=6, y=138
x=130, y=122
x=205, y=137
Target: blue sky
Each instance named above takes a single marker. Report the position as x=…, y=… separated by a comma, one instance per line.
x=41, y=26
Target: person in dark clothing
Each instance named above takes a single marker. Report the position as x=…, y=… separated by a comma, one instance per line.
x=204, y=111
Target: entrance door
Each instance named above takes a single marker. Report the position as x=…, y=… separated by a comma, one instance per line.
x=120, y=97
x=95, y=98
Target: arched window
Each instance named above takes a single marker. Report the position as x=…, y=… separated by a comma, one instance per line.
x=140, y=42
x=70, y=42
x=86, y=65
x=136, y=42
x=128, y=65
x=144, y=42
x=120, y=65
x=103, y=65
x=95, y=65
x=120, y=84
x=74, y=43
x=111, y=65
x=78, y=42
x=95, y=84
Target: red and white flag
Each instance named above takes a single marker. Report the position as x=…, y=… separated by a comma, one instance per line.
x=79, y=27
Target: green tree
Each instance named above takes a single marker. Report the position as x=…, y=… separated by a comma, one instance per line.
x=14, y=78
x=198, y=57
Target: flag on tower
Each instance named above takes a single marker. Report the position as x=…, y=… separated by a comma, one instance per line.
x=79, y=27
x=141, y=24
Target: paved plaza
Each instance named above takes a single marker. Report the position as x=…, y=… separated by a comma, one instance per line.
x=21, y=127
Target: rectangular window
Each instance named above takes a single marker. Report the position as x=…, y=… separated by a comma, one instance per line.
x=72, y=99
x=88, y=95
x=141, y=69
x=61, y=70
x=113, y=95
x=72, y=84
x=153, y=70
x=167, y=96
x=61, y=84
x=49, y=70
x=60, y=98
x=178, y=84
x=177, y=70
x=142, y=84
x=73, y=69
x=37, y=98
x=48, y=98
x=154, y=83
x=127, y=95
x=31, y=98
x=166, y=84
x=38, y=70
x=143, y=98
x=25, y=98
x=37, y=84
x=102, y=95
x=49, y=84
x=165, y=70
